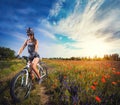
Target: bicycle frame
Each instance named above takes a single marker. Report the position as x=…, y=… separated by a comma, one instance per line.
x=26, y=73
x=27, y=67
x=41, y=71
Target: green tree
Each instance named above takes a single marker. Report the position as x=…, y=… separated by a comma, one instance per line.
x=6, y=53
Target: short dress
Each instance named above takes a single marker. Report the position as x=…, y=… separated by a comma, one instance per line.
x=31, y=51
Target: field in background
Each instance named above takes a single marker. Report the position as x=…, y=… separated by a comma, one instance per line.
x=69, y=82
x=84, y=82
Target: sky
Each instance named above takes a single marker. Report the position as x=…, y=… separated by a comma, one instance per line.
x=64, y=28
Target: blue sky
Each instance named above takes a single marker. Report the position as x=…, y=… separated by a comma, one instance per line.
x=64, y=28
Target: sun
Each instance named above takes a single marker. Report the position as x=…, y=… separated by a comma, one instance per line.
x=96, y=47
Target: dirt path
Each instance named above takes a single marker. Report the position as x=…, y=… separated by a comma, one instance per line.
x=44, y=97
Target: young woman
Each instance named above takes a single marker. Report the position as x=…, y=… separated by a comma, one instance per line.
x=32, y=45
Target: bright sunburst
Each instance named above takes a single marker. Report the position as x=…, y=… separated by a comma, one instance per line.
x=96, y=47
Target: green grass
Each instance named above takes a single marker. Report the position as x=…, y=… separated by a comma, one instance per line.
x=69, y=83
x=8, y=67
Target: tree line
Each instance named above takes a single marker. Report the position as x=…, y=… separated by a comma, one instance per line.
x=6, y=53
x=112, y=57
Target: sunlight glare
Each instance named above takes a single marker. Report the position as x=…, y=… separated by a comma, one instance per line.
x=96, y=47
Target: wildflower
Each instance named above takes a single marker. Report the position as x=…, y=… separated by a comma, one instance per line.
x=114, y=72
x=108, y=76
x=75, y=99
x=118, y=73
x=114, y=83
x=80, y=76
x=95, y=83
x=103, y=80
x=97, y=98
x=93, y=87
x=113, y=69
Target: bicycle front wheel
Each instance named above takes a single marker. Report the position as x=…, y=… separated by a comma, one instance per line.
x=19, y=89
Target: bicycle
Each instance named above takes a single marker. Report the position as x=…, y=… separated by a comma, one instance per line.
x=21, y=83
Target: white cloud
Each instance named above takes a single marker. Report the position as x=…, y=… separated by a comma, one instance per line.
x=56, y=8
x=57, y=50
x=19, y=36
x=46, y=33
x=87, y=31
x=76, y=25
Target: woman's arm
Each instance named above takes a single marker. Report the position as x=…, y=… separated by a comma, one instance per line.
x=36, y=46
x=22, y=48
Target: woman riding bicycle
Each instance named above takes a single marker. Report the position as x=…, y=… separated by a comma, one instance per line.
x=32, y=45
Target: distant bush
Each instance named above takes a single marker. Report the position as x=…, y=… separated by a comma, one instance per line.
x=114, y=57
x=111, y=57
x=6, y=53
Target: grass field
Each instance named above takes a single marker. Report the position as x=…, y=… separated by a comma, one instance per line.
x=70, y=83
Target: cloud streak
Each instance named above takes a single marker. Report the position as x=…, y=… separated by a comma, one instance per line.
x=46, y=33
x=56, y=8
x=87, y=30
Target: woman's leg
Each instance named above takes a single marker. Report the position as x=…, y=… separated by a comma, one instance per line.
x=34, y=66
x=31, y=72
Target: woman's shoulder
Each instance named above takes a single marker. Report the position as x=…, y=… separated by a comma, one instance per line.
x=27, y=41
x=35, y=40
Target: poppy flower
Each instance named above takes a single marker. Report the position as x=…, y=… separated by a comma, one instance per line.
x=114, y=83
x=97, y=98
x=93, y=87
x=103, y=80
x=118, y=73
x=95, y=83
x=113, y=68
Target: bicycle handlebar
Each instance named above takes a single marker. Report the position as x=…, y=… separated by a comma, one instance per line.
x=26, y=58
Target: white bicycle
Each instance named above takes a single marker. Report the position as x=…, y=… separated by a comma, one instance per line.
x=21, y=83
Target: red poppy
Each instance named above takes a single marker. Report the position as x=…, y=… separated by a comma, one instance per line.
x=113, y=68
x=98, y=99
x=93, y=87
x=95, y=83
x=103, y=80
x=118, y=73
x=114, y=83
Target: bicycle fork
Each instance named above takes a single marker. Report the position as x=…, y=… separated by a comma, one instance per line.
x=24, y=81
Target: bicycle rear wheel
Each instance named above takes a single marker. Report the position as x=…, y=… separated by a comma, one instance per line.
x=19, y=90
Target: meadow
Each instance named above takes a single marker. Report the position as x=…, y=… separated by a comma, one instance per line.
x=69, y=82
x=84, y=83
